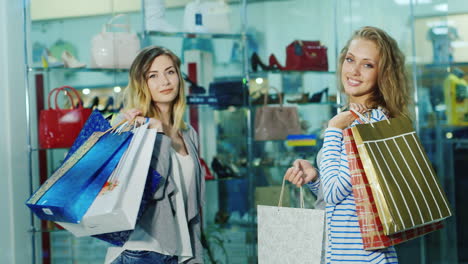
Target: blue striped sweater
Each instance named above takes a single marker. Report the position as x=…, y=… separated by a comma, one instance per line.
x=344, y=240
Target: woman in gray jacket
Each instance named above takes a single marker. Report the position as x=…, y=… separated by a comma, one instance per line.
x=169, y=230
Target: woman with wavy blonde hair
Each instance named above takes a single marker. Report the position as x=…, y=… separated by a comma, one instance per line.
x=372, y=74
x=392, y=91
x=170, y=227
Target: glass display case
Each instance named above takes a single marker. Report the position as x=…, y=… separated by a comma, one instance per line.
x=229, y=69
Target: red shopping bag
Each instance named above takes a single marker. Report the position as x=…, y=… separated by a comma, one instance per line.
x=58, y=128
x=373, y=236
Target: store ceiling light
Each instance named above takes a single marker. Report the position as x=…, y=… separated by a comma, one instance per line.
x=407, y=2
x=117, y=89
x=86, y=91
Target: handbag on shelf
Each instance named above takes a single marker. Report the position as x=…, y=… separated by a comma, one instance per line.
x=404, y=185
x=111, y=49
x=58, y=128
x=276, y=122
x=370, y=225
x=207, y=17
x=285, y=234
x=229, y=92
x=306, y=56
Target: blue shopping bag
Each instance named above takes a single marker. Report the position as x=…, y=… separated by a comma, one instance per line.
x=95, y=123
x=68, y=193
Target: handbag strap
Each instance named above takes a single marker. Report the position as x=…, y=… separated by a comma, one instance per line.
x=106, y=27
x=301, y=199
x=65, y=88
x=265, y=96
x=55, y=91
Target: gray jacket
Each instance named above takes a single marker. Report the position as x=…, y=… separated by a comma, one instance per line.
x=159, y=219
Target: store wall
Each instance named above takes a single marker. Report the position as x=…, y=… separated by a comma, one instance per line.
x=14, y=217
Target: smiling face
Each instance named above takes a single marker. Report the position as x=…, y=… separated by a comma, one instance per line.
x=359, y=72
x=163, y=80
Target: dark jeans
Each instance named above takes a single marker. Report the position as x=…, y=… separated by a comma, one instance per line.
x=144, y=257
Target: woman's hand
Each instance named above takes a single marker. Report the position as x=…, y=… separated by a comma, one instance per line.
x=301, y=172
x=137, y=115
x=346, y=118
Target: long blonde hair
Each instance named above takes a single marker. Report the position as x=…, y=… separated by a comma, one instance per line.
x=138, y=95
x=393, y=89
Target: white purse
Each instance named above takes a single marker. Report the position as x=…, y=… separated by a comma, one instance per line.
x=207, y=17
x=114, y=49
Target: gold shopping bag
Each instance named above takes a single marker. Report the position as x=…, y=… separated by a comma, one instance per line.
x=404, y=185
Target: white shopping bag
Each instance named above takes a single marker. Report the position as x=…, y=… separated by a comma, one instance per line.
x=116, y=207
x=289, y=235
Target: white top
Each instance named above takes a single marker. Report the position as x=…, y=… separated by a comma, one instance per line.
x=182, y=174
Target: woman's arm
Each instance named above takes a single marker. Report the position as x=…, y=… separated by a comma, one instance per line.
x=334, y=170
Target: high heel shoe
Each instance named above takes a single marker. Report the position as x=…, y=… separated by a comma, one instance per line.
x=48, y=60
x=255, y=62
x=274, y=64
x=194, y=87
x=317, y=97
x=301, y=100
x=70, y=61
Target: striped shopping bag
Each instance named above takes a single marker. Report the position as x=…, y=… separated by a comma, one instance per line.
x=370, y=225
x=404, y=185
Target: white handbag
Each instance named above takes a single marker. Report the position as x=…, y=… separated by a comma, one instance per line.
x=114, y=49
x=207, y=17
x=290, y=235
x=116, y=207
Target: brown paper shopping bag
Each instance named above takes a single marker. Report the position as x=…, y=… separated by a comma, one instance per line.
x=404, y=185
x=370, y=225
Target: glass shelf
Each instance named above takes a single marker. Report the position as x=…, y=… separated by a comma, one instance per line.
x=50, y=69
x=225, y=179
x=334, y=104
x=262, y=73
x=195, y=35
x=47, y=230
x=444, y=65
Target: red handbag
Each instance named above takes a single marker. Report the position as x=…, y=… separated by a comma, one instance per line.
x=58, y=128
x=306, y=56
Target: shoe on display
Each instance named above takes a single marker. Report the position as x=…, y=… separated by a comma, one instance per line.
x=155, y=12
x=274, y=63
x=317, y=97
x=255, y=61
x=304, y=98
x=49, y=61
x=70, y=61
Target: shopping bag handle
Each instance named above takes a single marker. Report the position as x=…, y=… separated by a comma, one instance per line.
x=280, y=202
x=365, y=119
x=265, y=96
